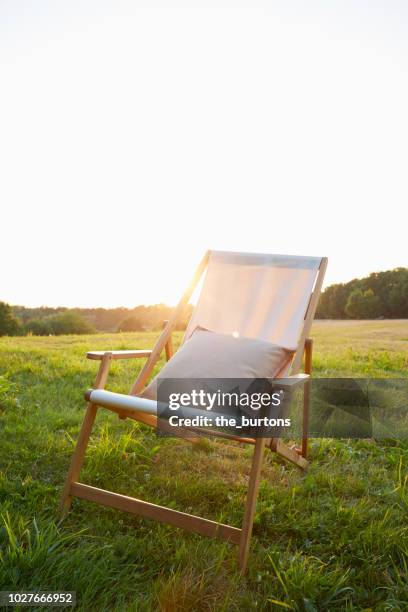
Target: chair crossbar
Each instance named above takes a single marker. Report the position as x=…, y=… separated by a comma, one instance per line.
x=183, y=520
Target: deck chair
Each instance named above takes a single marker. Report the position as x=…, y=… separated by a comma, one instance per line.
x=268, y=297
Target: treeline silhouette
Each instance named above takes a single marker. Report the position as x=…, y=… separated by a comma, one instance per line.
x=44, y=320
x=379, y=295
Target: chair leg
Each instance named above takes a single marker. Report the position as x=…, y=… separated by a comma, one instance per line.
x=83, y=439
x=306, y=397
x=77, y=458
x=169, y=345
x=250, y=505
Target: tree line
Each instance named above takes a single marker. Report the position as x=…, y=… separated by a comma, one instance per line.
x=45, y=321
x=379, y=295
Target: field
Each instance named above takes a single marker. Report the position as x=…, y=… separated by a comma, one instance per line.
x=335, y=538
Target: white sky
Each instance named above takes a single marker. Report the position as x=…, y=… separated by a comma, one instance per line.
x=136, y=135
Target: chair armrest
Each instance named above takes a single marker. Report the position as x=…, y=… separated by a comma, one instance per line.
x=98, y=355
x=290, y=382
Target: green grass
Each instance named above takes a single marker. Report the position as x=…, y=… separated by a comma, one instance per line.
x=332, y=539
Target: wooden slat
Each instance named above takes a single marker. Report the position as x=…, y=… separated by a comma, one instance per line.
x=162, y=514
x=82, y=442
x=250, y=505
x=306, y=397
x=169, y=345
x=290, y=454
x=309, y=316
x=98, y=355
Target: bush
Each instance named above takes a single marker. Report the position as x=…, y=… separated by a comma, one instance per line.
x=363, y=304
x=132, y=323
x=68, y=322
x=9, y=324
x=38, y=327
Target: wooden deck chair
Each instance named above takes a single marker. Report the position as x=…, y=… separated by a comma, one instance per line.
x=269, y=297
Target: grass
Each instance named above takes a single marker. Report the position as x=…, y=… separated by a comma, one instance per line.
x=332, y=539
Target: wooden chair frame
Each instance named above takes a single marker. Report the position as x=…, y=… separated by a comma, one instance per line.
x=298, y=456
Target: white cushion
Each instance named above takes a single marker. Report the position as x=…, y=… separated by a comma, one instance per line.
x=210, y=355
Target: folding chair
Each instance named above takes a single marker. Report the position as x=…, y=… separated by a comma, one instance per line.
x=268, y=297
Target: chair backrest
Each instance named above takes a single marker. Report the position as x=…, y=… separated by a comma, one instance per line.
x=257, y=296
x=271, y=297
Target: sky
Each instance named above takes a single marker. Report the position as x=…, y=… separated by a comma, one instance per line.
x=134, y=136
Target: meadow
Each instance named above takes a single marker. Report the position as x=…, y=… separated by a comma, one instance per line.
x=335, y=538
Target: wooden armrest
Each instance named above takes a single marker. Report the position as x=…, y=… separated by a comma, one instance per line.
x=118, y=354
